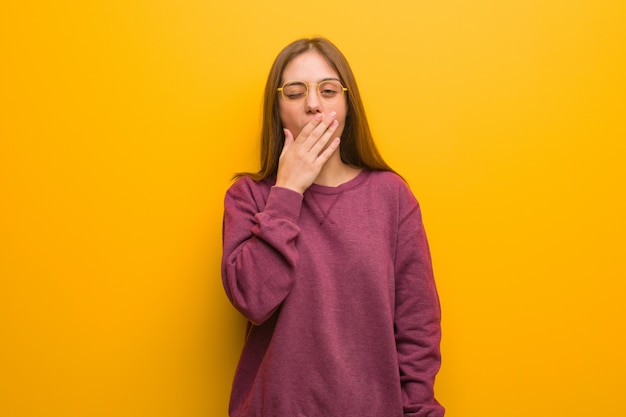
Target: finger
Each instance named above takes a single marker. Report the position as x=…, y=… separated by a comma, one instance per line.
x=321, y=142
x=308, y=129
x=328, y=152
x=327, y=125
x=288, y=141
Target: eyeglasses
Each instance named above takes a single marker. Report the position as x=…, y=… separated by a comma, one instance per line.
x=327, y=90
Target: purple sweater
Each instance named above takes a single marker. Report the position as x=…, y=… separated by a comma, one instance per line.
x=339, y=291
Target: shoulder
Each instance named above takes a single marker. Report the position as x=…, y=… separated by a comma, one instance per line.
x=388, y=182
x=246, y=189
x=246, y=183
x=394, y=191
x=386, y=178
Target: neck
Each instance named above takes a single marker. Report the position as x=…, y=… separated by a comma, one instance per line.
x=335, y=172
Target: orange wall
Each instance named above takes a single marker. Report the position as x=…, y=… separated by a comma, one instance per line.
x=120, y=126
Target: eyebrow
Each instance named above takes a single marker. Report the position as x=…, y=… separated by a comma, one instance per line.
x=319, y=81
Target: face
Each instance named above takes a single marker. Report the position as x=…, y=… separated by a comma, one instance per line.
x=310, y=67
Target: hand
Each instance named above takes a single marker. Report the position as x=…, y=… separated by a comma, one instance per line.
x=302, y=159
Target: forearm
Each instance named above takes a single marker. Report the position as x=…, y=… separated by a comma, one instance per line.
x=260, y=254
x=417, y=320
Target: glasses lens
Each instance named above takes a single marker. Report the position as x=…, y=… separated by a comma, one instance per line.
x=330, y=90
x=295, y=91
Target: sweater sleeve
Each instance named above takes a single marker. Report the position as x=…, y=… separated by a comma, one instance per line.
x=417, y=317
x=259, y=248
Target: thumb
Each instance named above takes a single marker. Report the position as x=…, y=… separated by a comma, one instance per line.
x=288, y=140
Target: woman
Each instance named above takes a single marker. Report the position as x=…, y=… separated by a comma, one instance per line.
x=325, y=254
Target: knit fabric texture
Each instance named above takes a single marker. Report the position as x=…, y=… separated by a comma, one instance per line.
x=338, y=288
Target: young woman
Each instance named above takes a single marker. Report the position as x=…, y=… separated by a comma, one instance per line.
x=325, y=254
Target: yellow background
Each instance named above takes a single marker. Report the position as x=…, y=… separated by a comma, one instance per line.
x=121, y=123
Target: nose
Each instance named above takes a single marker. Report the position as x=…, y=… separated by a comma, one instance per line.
x=312, y=101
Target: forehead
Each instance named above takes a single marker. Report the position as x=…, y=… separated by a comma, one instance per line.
x=309, y=66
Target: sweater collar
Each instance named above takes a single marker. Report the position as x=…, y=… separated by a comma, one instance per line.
x=348, y=185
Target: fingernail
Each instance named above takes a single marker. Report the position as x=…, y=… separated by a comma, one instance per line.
x=318, y=116
x=333, y=113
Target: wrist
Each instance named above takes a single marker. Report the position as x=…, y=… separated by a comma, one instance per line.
x=288, y=186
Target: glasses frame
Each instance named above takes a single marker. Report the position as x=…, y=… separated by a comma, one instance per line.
x=281, y=89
